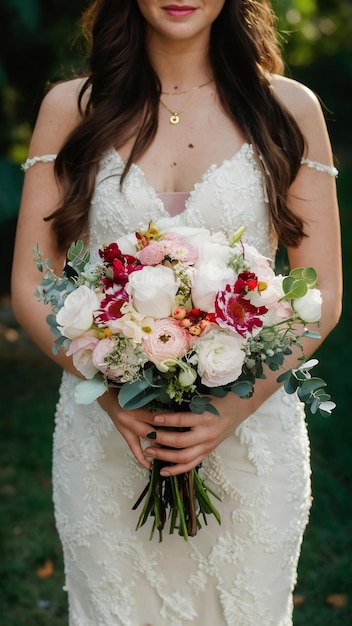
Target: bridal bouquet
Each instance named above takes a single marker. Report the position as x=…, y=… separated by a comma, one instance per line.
x=173, y=319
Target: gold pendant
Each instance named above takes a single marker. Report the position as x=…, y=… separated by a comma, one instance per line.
x=174, y=119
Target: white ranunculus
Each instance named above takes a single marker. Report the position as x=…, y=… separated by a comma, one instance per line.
x=76, y=316
x=153, y=291
x=211, y=276
x=309, y=306
x=220, y=357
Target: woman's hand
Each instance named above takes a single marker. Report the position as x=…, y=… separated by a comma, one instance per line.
x=186, y=450
x=132, y=425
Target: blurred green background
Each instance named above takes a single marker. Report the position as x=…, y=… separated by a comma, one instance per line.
x=37, y=44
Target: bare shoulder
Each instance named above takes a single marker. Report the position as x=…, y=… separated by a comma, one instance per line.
x=58, y=116
x=305, y=107
x=298, y=99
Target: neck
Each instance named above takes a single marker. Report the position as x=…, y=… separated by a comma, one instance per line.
x=179, y=63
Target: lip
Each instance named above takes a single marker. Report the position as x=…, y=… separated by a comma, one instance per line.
x=178, y=10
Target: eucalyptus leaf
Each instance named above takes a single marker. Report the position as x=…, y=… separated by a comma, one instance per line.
x=89, y=390
x=310, y=385
x=139, y=400
x=244, y=389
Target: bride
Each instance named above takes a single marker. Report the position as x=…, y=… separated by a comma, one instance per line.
x=183, y=117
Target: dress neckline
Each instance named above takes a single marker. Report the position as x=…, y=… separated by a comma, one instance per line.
x=246, y=149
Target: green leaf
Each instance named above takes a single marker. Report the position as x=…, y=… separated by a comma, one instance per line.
x=291, y=385
x=310, y=385
x=243, y=389
x=129, y=391
x=311, y=334
x=140, y=400
x=295, y=289
x=284, y=376
x=89, y=390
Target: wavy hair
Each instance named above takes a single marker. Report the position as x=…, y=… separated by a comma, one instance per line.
x=123, y=91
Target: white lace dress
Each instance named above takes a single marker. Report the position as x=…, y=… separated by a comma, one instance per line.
x=238, y=574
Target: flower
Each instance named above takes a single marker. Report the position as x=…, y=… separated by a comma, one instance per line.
x=308, y=307
x=81, y=349
x=110, y=306
x=166, y=341
x=132, y=324
x=76, y=315
x=219, y=357
x=233, y=310
x=171, y=316
x=271, y=297
x=115, y=356
x=211, y=277
x=153, y=290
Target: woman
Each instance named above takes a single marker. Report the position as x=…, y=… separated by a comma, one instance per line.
x=184, y=118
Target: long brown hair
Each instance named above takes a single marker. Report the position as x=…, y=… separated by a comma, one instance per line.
x=123, y=101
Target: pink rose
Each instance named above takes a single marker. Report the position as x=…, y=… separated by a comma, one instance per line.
x=166, y=341
x=81, y=349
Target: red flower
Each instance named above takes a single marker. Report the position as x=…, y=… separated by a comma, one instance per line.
x=119, y=265
x=110, y=307
x=234, y=311
x=246, y=281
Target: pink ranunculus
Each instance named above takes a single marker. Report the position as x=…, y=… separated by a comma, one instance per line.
x=236, y=312
x=166, y=341
x=152, y=254
x=179, y=249
x=81, y=349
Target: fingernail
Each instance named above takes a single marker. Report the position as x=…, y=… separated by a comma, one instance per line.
x=159, y=419
x=164, y=473
x=152, y=435
x=149, y=452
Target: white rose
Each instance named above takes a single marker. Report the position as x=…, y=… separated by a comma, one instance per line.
x=209, y=278
x=309, y=306
x=153, y=291
x=220, y=357
x=76, y=316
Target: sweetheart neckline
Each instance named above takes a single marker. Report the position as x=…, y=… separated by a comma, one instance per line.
x=246, y=148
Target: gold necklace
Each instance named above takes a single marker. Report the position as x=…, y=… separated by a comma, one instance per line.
x=179, y=93
x=175, y=115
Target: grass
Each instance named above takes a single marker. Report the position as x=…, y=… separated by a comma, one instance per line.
x=28, y=539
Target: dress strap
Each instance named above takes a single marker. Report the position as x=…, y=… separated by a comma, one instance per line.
x=320, y=167
x=46, y=158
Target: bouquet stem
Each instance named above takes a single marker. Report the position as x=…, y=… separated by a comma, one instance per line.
x=180, y=499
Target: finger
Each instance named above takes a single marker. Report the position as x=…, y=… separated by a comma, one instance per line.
x=184, y=456
x=184, y=419
x=174, y=470
x=133, y=441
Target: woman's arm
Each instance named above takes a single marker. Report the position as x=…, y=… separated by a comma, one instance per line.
x=58, y=116
x=313, y=196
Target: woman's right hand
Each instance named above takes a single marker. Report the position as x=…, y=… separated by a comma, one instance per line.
x=132, y=425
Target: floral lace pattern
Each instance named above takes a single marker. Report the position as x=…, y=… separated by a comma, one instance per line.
x=240, y=573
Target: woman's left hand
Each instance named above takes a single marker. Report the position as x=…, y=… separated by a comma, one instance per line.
x=187, y=449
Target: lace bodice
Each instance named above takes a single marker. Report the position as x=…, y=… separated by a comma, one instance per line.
x=230, y=194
